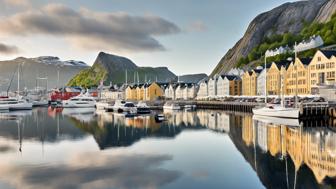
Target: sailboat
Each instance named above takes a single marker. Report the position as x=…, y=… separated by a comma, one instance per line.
x=18, y=102
x=279, y=111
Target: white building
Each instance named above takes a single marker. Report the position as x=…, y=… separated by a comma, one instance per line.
x=186, y=91
x=113, y=92
x=170, y=92
x=223, y=85
x=203, y=89
x=212, y=86
x=261, y=83
x=312, y=42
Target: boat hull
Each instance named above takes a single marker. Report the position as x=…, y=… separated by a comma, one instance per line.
x=292, y=113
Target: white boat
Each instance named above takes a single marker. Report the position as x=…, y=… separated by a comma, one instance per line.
x=277, y=111
x=102, y=105
x=277, y=120
x=17, y=103
x=123, y=106
x=37, y=103
x=80, y=101
x=171, y=106
x=142, y=108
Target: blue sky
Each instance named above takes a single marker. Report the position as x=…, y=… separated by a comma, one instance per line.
x=187, y=36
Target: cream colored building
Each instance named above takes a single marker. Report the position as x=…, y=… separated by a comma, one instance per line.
x=322, y=70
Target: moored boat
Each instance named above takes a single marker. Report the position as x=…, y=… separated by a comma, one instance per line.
x=143, y=108
x=277, y=111
x=17, y=103
x=171, y=106
x=80, y=101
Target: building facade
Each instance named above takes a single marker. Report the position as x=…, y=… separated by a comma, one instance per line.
x=321, y=70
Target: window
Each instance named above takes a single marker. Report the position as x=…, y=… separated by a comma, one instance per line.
x=319, y=58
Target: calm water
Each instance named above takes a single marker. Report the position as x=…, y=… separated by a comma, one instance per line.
x=205, y=149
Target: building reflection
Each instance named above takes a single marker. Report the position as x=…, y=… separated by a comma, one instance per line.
x=308, y=149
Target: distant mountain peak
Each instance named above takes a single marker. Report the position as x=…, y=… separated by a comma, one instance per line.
x=53, y=60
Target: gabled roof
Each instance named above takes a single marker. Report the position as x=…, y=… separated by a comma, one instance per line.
x=232, y=77
x=282, y=63
x=328, y=53
x=305, y=61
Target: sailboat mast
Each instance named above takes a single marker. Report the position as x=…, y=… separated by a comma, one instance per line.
x=18, y=86
x=126, y=77
x=265, y=79
x=296, y=77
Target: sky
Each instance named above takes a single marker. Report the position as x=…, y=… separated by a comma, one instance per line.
x=187, y=36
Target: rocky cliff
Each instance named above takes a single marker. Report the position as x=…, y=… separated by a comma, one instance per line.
x=289, y=17
x=113, y=68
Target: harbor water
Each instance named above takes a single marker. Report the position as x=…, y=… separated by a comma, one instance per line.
x=53, y=148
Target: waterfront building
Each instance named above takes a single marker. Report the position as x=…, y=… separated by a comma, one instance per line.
x=203, y=89
x=186, y=91
x=153, y=91
x=297, y=77
x=170, y=91
x=212, y=86
x=140, y=90
x=228, y=85
x=322, y=70
x=275, y=75
x=261, y=82
x=249, y=82
x=131, y=92
x=113, y=93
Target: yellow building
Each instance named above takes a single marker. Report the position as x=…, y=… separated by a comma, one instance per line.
x=249, y=83
x=153, y=91
x=140, y=90
x=131, y=92
x=321, y=69
x=275, y=75
x=297, y=77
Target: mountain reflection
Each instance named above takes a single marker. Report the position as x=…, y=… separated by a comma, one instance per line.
x=282, y=156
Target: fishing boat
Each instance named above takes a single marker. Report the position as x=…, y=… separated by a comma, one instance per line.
x=143, y=108
x=80, y=101
x=171, y=106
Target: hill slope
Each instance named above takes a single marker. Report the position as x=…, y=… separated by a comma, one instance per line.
x=112, y=68
x=287, y=18
x=45, y=66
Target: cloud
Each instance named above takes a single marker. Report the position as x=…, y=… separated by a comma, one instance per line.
x=197, y=26
x=8, y=49
x=16, y=3
x=89, y=29
x=103, y=171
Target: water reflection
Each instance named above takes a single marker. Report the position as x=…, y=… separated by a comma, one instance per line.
x=90, y=149
x=288, y=156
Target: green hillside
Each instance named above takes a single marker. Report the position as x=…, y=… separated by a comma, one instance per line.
x=326, y=30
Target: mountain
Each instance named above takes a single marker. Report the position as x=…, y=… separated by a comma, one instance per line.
x=32, y=68
x=112, y=68
x=191, y=78
x=287, y=18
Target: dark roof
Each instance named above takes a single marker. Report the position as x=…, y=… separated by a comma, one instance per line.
x=232, y=77
x=258, y=71
x=282, y=63
x=305, y=61
x=328, y=53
